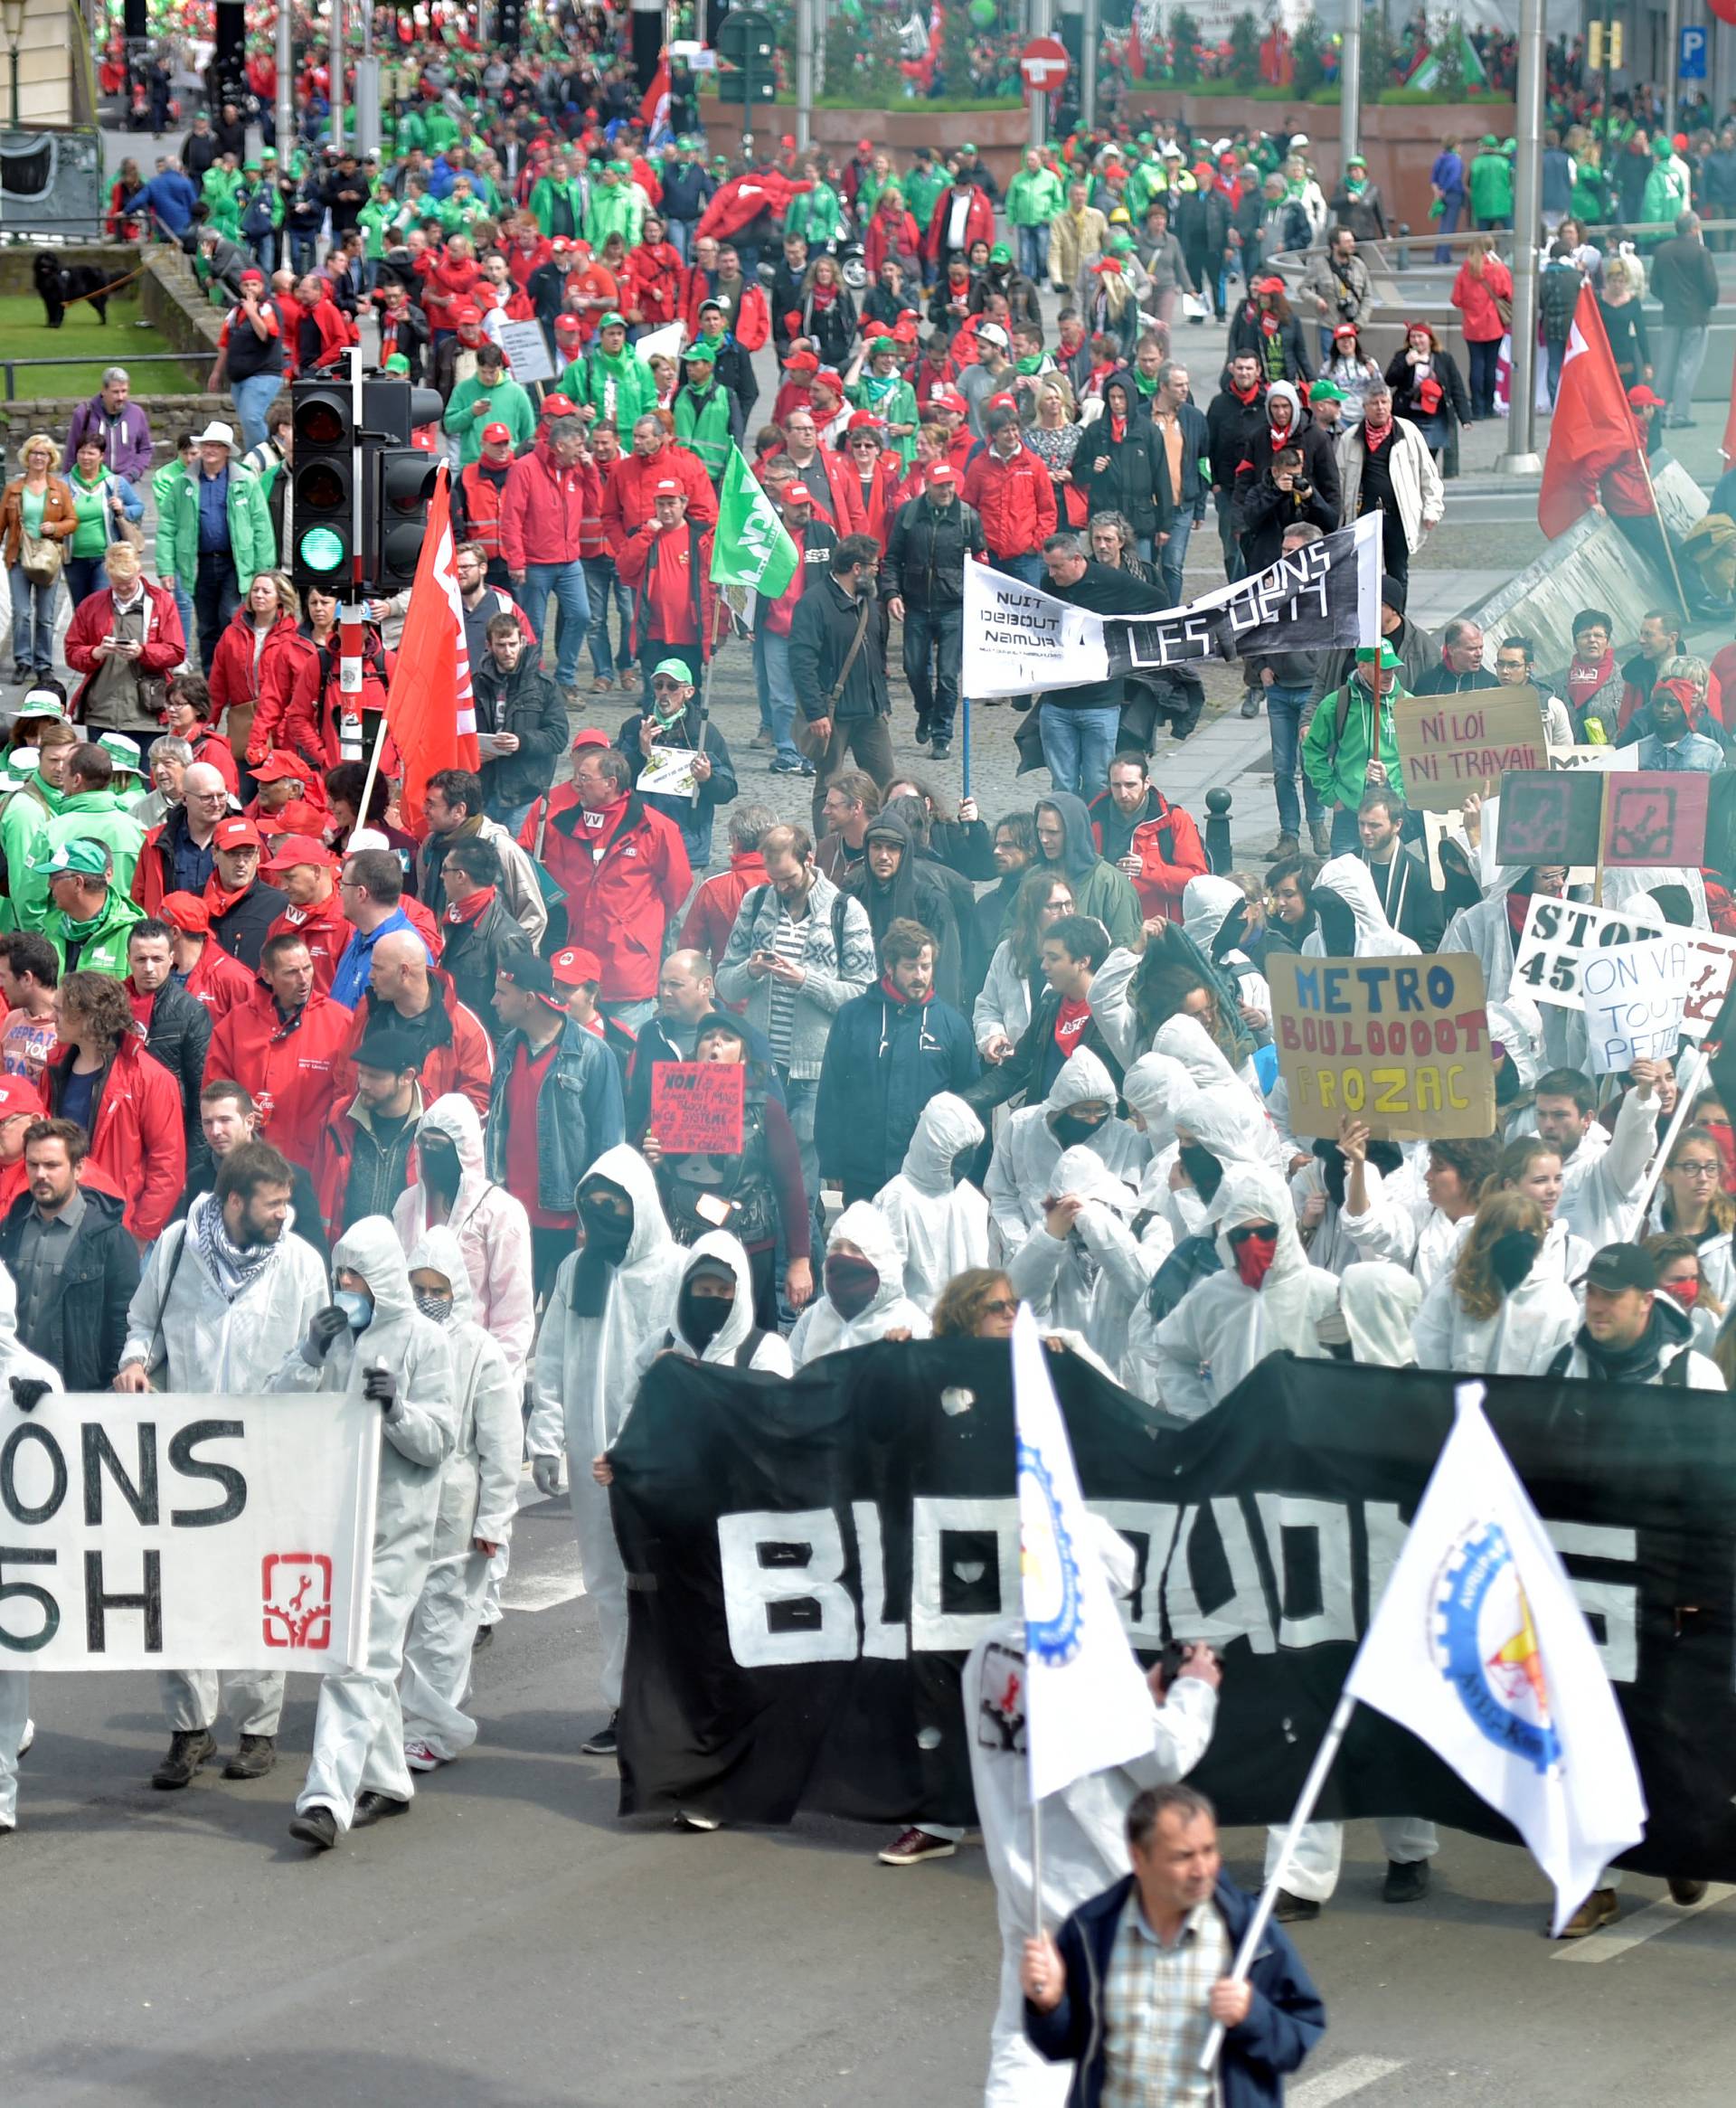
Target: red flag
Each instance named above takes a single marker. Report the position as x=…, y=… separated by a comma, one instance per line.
x=1593, y=430
x=429, y=707
x=655, y=107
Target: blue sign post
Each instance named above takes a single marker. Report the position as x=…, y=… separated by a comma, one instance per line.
x=1691, y=58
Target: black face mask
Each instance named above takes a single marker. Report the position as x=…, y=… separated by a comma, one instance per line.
x=1073, y=1129
x=701, y=1318
x=439, y=1166
x=1507, y=1081
x=1512, y=1258
x=1202, y=1168
x=962, y=1165
x=1331, y=1171
x=607, y=1233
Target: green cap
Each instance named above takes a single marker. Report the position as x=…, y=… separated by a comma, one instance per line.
x=1489, y=140
x=674, y=669
x=122, y=751
x=1661, y=148
x=88, y=858
x=621, y=168
x=397, y=363
x=882, y=344
x=1382, y=654
x=1355, y=161
x=969, y=148
x=1119, y=244
x=249, y=168
x=1509, y=146
x=613, y=320
x=701, y=354
x=1325, y=391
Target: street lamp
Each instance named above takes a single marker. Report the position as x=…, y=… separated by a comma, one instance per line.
x=13, y=13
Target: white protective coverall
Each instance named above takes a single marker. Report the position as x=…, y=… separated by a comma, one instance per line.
x=583, y=1383
x=16, y=1360
x=478, y=1498
x=939, y=1228
x=1601, y=1192
x=1520, y=1339
x=1090, y=1281
x=1348, y=877
x=1206, y=902
x=770, y=1354
x=1378, y=1300
x=1221, y=1328
x=1084, y=1827
x=1021, y=1170
x=822, y=1329
x=213, y=1344
x=359, y=1732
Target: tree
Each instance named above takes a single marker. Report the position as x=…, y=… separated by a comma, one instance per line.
x=1244, y=50
x=1185, y=47
x=1307, y=57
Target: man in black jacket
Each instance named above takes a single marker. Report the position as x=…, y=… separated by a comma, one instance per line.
x=1232, y=421
x=841, y=686
x=520, y=724
x=1283, y=498
x=479, y=935
x=1078, y=726
x=177, y=1025
x=1684, y=283
x=73, y=1259
x=245, y=907
x=923, y=585
x=1460, y=667
x=1401, y=873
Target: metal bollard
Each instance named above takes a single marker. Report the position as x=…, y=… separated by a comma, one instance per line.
x=1402, y=261
x=1218, y=854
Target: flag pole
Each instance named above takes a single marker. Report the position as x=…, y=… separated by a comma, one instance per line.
x=1694, y=1072
x=1036, y=1868
x=373, y=771
x=964, y=702
x=1300, y=1816
x=1664, y=534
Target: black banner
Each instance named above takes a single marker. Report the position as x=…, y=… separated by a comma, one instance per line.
x=809, y=1562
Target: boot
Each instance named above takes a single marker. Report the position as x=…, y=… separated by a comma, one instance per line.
x=1407, y=1881
x=318, y=1827
x=1285, y=845
x=1289, y=1909
x=1321, y=831
x=372, y=1807
x=254, y=1758
x=189, y=1748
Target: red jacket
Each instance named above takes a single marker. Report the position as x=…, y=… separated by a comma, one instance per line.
x=836, y=491
x=740, y=201
x=337, y=332
x=93, y=620
x=1170, y=853
x=1475, y=297
x=290, y=1070
x=219, y=980
x=619, y=903
x=627, y=495
x=881, y=500
x=893, y=234
x=448, y=284
x=325, y=929
x=481, y=498
x=283, y=681
x=461, y=1060
x=139, y=1139
x=712, y=916
x=523, y=262
x=1014, y=500
x=542, y=509
x=651, y=283
x=979, y=225
x=673, y=599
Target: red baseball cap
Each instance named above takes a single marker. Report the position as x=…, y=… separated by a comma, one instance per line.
x=798, y=494
x=19, y=1095
x=237, y=834
x=468, y=317
x=943, y=472
x=252, y=278
x=589, y=735
x=566, y=325
x=666, y=483
x=946, y=399
x=575, y=966
x=292, y=849
x=187, y=912
x=280, y=768
x=559, y=405
x=802, y=362
x=1645, y=398
x=491, y=434
x=864, y=145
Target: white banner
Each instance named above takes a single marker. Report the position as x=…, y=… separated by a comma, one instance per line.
x=1634, y=994
x=1559, y=935
x=527, y=351
x=186, y=1532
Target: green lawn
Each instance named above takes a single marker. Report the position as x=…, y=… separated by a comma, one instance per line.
x=24, y=335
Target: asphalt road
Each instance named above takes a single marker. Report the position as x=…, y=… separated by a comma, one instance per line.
x=513, y=1942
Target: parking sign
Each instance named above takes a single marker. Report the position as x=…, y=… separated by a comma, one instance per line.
x=1691, y=62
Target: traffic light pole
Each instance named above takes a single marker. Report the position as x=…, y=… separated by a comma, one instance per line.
x=351, y=614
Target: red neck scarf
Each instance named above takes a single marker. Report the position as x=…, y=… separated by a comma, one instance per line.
x=219, y=899
x=1245, y=395
x=1281, y=438
x=1584, y=677
x=1376, y=440
x=1118, y=426
x=473, y=910
x=896, y=995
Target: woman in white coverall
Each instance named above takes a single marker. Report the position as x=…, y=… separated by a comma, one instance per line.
x=611, y=1295
x=939, y=1224
x=1080, y=1110
x=1500, y=1308
x=863, y=1299
x=373, y=1342
x=1084, y=1832
x=29, y=1380
x=478, y=1501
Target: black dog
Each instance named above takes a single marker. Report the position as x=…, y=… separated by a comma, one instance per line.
x=58, y=282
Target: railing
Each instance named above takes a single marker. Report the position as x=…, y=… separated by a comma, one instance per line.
x=132, y=361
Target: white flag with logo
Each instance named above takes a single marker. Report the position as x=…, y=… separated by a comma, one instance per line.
x=1479, y=1648
x=1086, y=1705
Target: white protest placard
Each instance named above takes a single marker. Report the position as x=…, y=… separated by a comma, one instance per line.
x=1612, y=761
x=1634, y=996
x=1020, y=641
x=665, y=343
x=1561, y=934
x=167, y=1531
x=527, y=351
x=669, y=771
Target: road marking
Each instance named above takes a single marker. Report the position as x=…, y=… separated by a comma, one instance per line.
x=1643, y=1925
x=1352, y=2076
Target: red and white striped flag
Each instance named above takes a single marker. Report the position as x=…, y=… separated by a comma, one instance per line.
x=429, y=707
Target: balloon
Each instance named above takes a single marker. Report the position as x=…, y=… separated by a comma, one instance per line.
x=983, y=13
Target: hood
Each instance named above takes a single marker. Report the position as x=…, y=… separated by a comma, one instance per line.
x=1630, y=887
x=1517, y=1023
x=862, y=1226
x=1348, y=877
x=371, y=1248
x=1083, y=1172
x=1186, y=1040
x=1289, y=392
x=1252, y=1194
x=1083, y=1076
x=624, y=1168
x=1123, y=377
x=1078, y=849
x=454, y=1117
x=1379, y=1299
x=439, y=1251
x=1205, y=901
x=1154, y=1086
x=719, y=1244
x=948, y=1125
x=1228, y=1120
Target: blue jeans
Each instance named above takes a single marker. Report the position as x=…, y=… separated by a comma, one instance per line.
x=1449, y=224
x=602, y=583
x=1027, y=569
x=1078, y=746
x=1346, y=838
x=1172, y=558
x=216, y=595
x=931, y=635
x=84, y=575
x=184, y=608
x=1284, y=708
x=264, y=252
x=1229, y=537
x=566, y=582
x=1033, y=252
x=772, y=652
x=681, y=236
x=511, y=816
x=32, y=621
x=253, y=397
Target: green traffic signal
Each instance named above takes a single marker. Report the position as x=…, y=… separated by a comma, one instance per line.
x=321, y=549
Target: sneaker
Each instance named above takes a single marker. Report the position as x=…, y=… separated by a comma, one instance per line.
x=484, y=1638
x=189, y=1748
x=1289, y=1909
x=688, y=1819
x=1251, y=704
x=1686, y=1892
x=1600, y=1908
x=571, y=696
x=940, y=750
x=317, y=1827
x=25, y=1739
x=419, y=1757
x=253, y=1759
x=911, y=1847
x=921, y=732
x=785, y=767
x=1407, y=1881
x=603, y=1743
x=807, y=767
x=371, y=1807
x=1320, y=831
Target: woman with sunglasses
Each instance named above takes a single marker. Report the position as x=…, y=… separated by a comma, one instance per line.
x=976, y=1304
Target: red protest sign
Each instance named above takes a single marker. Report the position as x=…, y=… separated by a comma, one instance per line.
x=696, y=1106
x=1656, y=815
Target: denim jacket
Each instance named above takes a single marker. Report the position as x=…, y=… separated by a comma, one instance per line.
x=578, y=1113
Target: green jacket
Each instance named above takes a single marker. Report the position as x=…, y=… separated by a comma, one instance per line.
x=817, y=213
x=587, y=380
x=1666, y=193
x=439, y=129
x=23, y=828
x=895, y=400
x=1490, y=182
x=1106, y=892
x=920, y=193
x=459, y=215
x=1338, y=767
x=612, y=212
x=1591, y=192
x=102, y=944
x=222, y=191
x=507, y=400
x=96, y=815
x=375, y=220
x=705, y=425
x=542, y=196
x=250, y=540
x=1034, y=200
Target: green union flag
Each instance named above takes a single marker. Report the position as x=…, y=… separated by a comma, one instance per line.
x=751, y=547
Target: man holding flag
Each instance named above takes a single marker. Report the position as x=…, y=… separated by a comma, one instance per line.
x=430, y=711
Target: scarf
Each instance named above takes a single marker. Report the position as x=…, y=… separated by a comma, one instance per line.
x=1585, y=678
x=1245, y=397
x=1376, y=440
x=220, y=900
x=896, y=995
x=1118, y=426
x=1031, y=365
x=231, y=1268
x=469, y=911
x=1281, y=436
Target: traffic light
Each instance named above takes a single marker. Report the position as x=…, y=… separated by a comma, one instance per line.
x=399, y=480
x=322, y=486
